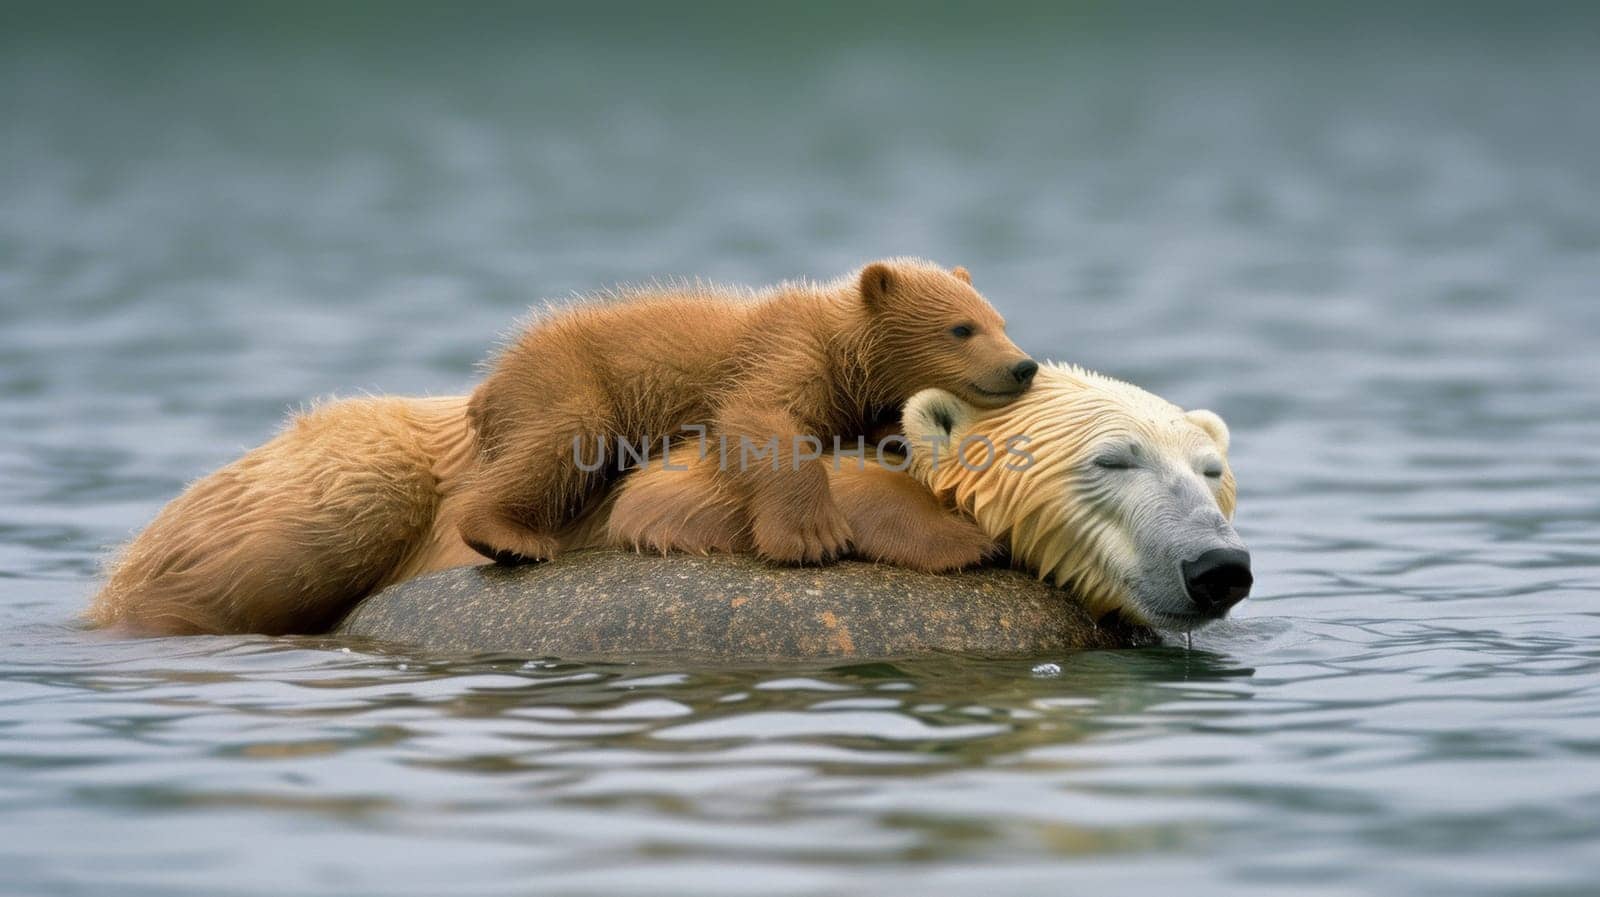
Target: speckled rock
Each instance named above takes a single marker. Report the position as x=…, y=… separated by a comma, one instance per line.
x=619, y=605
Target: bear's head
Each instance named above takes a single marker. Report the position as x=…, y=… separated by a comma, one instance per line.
x=1097, y=486
x=930, y=325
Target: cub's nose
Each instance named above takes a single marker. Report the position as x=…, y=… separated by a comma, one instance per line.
x=1218, y=579
x=1024, y=370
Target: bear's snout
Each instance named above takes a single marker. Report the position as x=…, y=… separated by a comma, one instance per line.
x=1023, y=372
x=1218, y=579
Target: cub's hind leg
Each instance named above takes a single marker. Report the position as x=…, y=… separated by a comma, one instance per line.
x=540, y=467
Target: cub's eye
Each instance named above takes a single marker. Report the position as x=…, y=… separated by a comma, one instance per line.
x=1214, y=471
x=1113, y=462
x=961, y=331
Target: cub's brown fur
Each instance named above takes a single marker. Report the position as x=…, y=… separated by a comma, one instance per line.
x=896, y=519
x=362, y=493
x=799, y=360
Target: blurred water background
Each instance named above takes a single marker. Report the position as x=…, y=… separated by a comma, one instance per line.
x=1368, y=236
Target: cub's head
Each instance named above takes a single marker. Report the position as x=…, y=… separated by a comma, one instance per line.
x=935, y=330
x=1099, y=487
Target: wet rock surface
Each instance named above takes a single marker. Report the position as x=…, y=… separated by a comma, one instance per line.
x=611, y=604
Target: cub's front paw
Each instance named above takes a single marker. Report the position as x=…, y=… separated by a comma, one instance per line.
x=817, y=537
x=509, y=546
x=940, y=545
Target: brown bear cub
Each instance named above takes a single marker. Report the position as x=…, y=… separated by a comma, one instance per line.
x=772, y=378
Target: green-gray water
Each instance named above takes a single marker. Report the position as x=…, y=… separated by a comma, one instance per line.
x=1369, y=239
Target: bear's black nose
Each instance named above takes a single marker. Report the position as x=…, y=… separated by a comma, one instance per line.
x=1024, y=370
x=1218, y=579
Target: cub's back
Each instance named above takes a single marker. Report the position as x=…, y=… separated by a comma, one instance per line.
x=644, y=361
x=665, y=338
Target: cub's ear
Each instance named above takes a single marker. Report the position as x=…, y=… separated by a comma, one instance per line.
x=877, y=283
x=1212, y=424
x=962, y=275
x=934, y=415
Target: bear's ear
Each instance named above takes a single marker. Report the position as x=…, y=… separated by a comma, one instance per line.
x=934, y=415
x=962, y=275
x=877, y=282
x=1213, y=425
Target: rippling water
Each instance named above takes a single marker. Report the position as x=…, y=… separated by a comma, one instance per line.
x=1371, y=242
